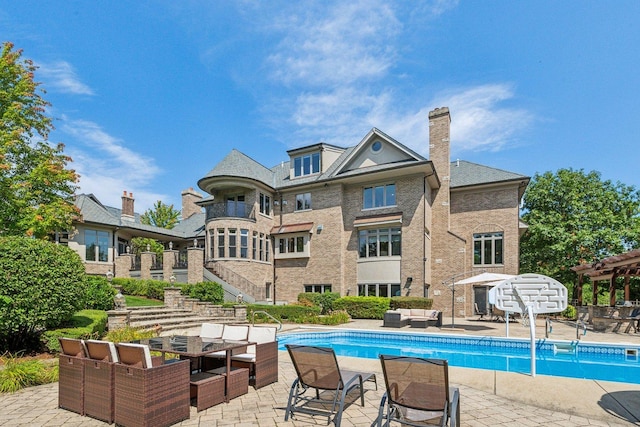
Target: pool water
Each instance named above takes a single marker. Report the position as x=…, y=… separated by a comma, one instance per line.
x=574, y=359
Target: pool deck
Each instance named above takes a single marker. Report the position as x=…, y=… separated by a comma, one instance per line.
x=488, y=398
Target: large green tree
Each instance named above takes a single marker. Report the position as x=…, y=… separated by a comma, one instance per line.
x=575, y=217
x=161, y=215
x=36, y=187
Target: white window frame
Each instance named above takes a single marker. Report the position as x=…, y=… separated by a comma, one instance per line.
x=491, y=239
x=292, y=245
x=318, y=289
x=101, y=239
x=233, y=242
x=311, y=160
x=379, y=196
x=244, y=243
x=364, y=289
x=303, y=202
x=391, y=237
x=265, y=204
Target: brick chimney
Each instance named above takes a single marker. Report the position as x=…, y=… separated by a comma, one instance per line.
x=127, y=207
x=439, y=154
x=189, y=199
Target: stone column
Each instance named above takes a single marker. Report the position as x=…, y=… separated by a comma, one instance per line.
x=168, y=262
x=123, y=265
x=146, y=261
x=171, y=297
x=195, y=272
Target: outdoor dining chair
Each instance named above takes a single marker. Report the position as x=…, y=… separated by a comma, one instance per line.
x=99, y=384
x=148, y=392
x=261, y=358
x=319, y=374
x=418, y=392
x=71, y=375
x=211, y=330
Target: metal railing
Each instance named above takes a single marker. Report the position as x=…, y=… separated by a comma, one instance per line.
x=228, y=209
x=253, y=318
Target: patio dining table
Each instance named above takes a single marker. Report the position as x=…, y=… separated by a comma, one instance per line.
x=195, y=348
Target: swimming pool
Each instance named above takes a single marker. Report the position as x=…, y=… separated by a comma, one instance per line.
x=574, y=359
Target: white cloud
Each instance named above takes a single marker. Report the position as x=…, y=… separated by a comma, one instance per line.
x=479, y=122
x=335, y=45
x=107, y=167
x=61, y=76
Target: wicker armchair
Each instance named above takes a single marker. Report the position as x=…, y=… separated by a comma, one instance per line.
x=262, y=358
x=148, y=393
x=71, y=375
x=99, y=384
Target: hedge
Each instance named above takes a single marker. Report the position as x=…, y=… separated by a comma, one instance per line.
x=85, y=324
x=363, y=307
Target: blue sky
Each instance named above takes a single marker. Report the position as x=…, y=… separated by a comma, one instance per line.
x=148, y=96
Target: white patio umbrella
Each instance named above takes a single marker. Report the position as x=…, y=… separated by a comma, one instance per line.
x=492, y=278
x=485, y=277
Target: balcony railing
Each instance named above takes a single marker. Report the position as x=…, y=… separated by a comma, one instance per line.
x=228, y=209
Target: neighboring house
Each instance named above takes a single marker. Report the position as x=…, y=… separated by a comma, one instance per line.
x=373, y=219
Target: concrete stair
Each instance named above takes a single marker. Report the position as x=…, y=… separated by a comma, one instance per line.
x=170, y=320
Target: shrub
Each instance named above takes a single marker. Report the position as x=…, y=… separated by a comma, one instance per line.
x=42, y=286
x=205, y=291
x=128, y=334
x=336, y=318
x=410, y=302
x=99, y=293
x=363, y=307
x=293, y=312
x=85, y=324
x=153, y=289
x=570, y=312
x=17, y=374
x=323, y=300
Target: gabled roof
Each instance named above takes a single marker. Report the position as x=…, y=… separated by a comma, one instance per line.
x=464, y=174
x=93, y=211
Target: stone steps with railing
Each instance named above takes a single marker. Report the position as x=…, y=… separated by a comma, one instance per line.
x=178, y=313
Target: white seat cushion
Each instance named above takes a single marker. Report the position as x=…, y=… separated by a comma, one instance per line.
x=113, y=354
x=211, y=330
x=245, y=357
x=235, y=332
x=145, y=351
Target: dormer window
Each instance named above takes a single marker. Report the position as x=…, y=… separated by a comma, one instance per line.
x=307, y=164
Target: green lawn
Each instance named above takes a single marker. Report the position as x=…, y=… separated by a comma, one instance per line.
x=135, y=301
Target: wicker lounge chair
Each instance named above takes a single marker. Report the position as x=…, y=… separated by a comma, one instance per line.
x=261, y=358
x=417, y=392
x=71, y=375
x=148, y=393
x=99, y=385
x=319, y=374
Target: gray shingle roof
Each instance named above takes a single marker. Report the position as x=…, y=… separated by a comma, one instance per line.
x=465, y=173
x=240, y=165
x=95, y=212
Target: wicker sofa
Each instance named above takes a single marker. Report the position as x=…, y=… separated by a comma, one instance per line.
x=416, y=317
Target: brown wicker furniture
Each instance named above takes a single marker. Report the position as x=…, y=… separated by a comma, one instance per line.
x=236, y=381
x=207, y=389
x=417, y=392
x=196, y=348
x=261, y=358
x=71, y=375
x=99, y=384
x=328, y=385
x=147, y=395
